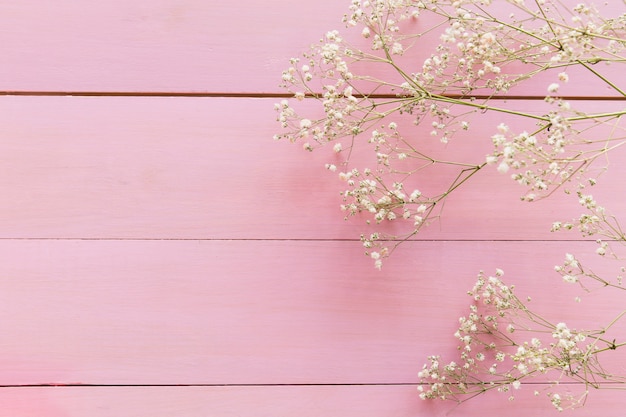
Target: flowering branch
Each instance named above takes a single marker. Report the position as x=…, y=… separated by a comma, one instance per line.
x=495, y=355
x=369, y=99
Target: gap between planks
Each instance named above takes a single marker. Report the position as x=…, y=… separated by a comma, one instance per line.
x=367, y=384
x=148, y=239
x=278, y=95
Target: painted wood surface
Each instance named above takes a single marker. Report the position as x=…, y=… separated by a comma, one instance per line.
x=311, y=401
x=186, y=168
x=163, y=256
x=185, y=46
x=215, y=312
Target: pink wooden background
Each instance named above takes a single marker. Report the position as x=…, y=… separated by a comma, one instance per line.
x=162, y=256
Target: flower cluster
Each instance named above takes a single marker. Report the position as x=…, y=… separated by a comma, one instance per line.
x=477, y=55
x=495, y=356
x=435, y=67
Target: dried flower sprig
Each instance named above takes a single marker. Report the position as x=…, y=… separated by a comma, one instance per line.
x=478, y=55
x=496, y=353
x=369, y=95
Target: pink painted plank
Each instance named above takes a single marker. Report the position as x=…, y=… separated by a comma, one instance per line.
x=180, y=45
x=146, y=45
x=285, y=401
x=189, y=168
x=256, y=312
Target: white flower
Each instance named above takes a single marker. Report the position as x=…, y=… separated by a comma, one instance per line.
x=571, y=260
x=553, y=88
x=487, y=39
x=378, y=264
x=503, y=167
x=366, y=33
x=414, y=195
x=491, y=159
x=345, y=176
x=502, y=128
x=397, y=48
x=337, y=148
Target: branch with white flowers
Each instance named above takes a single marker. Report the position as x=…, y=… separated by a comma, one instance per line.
x=481, y=53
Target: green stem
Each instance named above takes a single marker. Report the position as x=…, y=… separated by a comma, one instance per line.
x=596, y=116
x=440, y=98
x=485, y=107
x=611, y=345
x=460, y=179
x=597, y=74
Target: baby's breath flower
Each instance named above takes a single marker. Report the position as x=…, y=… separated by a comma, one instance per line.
x=570, y=278
x=553, y=88
x=503, y=167
x=552, y=147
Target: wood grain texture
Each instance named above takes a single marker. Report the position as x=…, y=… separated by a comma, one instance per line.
x=186, y=45
x=207, y=168
x=163, y=256
x=257, y=312
x=312, y=401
